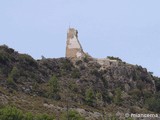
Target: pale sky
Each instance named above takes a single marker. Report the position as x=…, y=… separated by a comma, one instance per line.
x=128, y=29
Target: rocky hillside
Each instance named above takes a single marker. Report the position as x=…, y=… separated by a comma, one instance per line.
x=55, y=86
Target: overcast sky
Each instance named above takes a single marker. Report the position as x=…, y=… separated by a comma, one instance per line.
x=128, y=29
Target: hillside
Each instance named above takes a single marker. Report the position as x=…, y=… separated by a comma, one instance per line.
x=55, y=86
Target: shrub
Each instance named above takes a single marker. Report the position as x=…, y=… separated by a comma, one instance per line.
x=14, y=73
x=28, y=116
x=11, y=113
x=98, y=96
x=136, y=94
x=71, y=115
x=75, y=74
x=95, y=72
x=157, y=84
x=114, y=58
x=157, y=95
x=73, y=86
x=10, y=81
x=147, y=94
x=85, y=59
x=6, y=48
x=13, y=76
x=89, y=97
x=4, y=57
x=53, y=88
x=66, y=65
x=78, y=62
x=153, y=104
x=44, y=117
x=27, y=59
x=117, y=98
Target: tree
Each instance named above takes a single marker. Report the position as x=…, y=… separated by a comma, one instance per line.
x=118, y=94
x=54, y=88
x=89, y=97
x=13, y=76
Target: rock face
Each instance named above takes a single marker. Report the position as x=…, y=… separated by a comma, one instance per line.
x=73, y=48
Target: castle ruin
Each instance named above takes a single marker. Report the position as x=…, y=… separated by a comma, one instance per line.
x=75, y=51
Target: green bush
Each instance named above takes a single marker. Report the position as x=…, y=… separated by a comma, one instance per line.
x=75, y=74
x=10, y=81
x=44, y=117
x=10, y=113
x=157, y=83
x=96, y=73
x=28, y=116
x=136, y=94
x=14, y=74
x=153, y=104
x=71, y=115
x=73, y=86
x=114, y=58
x=6, y=54
x=157, y=95
x=27, y=59
x=85, y=59
x=53, y=88
x=118, y=96
x=89, y=97
x=98, y=97
x=4, y=57
x=66, y=65
x=147, y=94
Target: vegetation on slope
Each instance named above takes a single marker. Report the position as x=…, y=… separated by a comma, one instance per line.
x=12, y=113
x=56, y=86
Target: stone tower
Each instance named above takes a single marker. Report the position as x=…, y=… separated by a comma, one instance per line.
x=73, y=47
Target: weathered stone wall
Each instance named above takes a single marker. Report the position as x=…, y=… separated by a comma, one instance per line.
x=73, y=48
x=104, y=62
x=107, y=62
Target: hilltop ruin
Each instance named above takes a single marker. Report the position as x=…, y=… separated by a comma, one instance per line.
x=75, y=51
x=73, y=48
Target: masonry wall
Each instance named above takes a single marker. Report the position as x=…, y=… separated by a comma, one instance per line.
x=73, y=48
